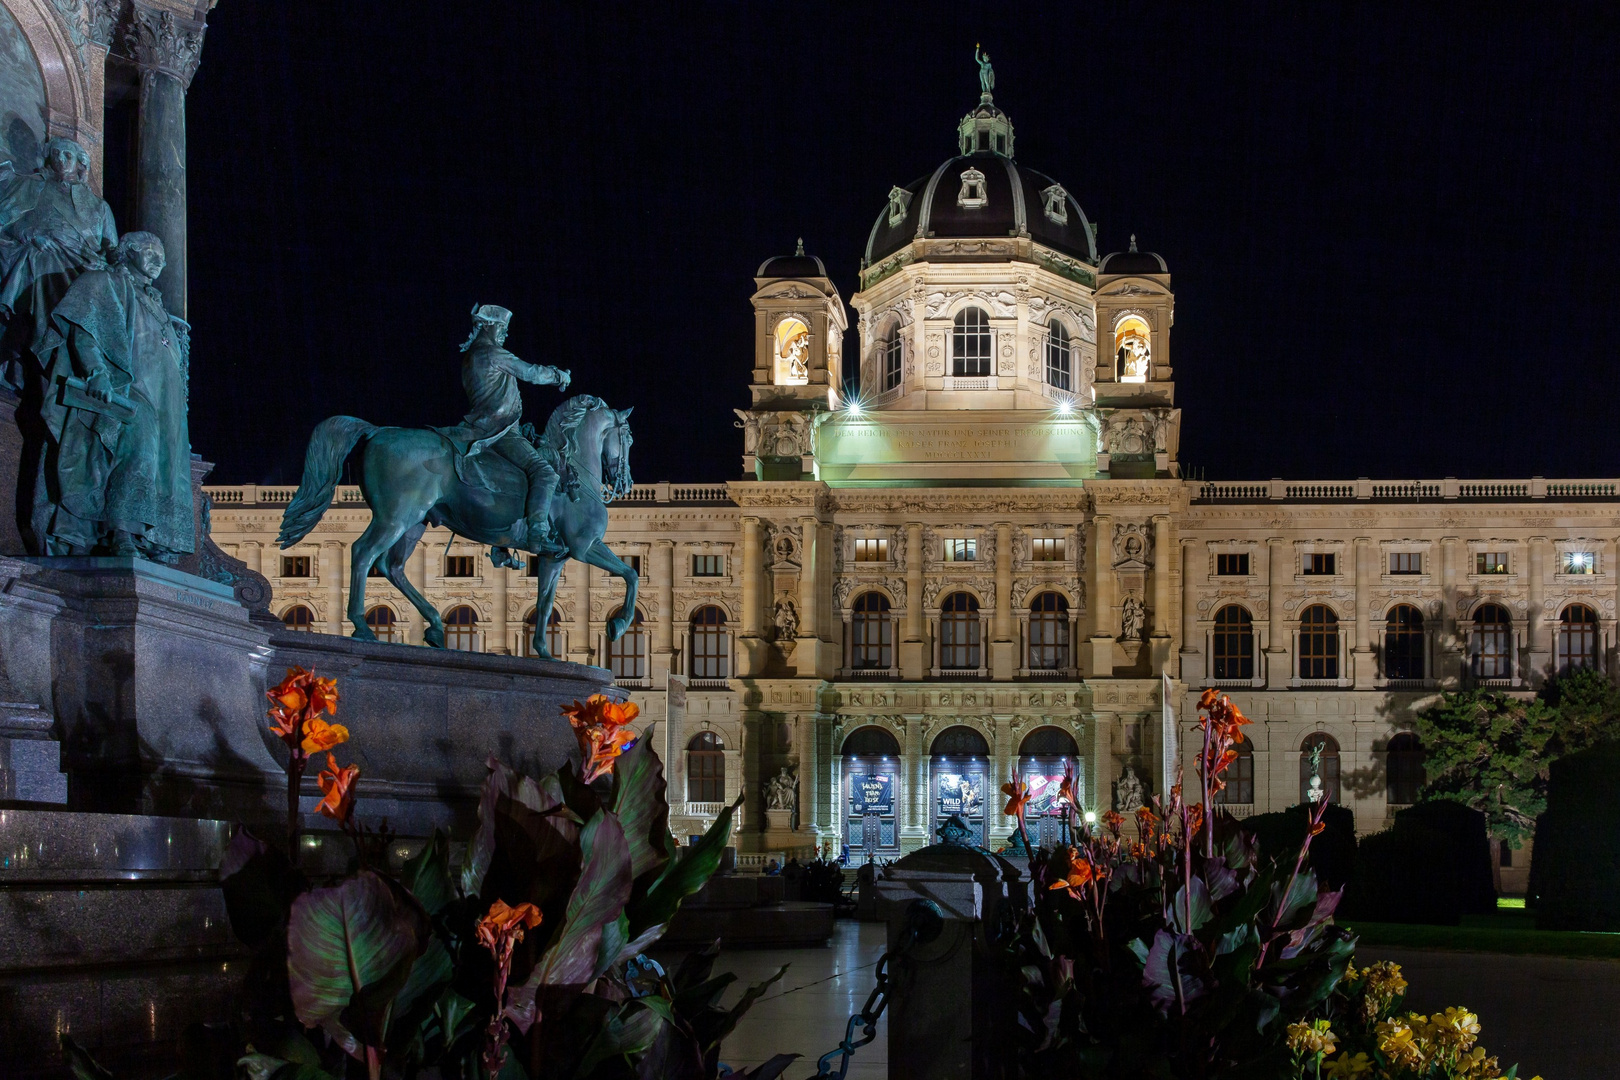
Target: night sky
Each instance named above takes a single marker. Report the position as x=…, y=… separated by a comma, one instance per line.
x=1392, y=228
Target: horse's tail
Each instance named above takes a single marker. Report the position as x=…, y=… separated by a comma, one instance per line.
x=329, y=447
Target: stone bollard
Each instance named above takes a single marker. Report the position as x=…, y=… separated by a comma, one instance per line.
x=952, y=1011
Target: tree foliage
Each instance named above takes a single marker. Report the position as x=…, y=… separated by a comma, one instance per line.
x=1492, y=751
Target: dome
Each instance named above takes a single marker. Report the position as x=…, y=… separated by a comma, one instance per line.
x=1012, y=201
x=1133, y=262
x=797, y=265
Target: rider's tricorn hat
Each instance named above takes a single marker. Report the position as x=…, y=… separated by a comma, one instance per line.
x=491, y=313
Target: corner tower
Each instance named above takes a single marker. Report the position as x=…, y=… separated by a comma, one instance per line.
x=1135, y=387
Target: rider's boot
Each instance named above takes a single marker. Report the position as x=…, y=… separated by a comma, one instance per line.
x=541, y=537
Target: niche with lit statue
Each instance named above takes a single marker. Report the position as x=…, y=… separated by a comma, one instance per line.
x=1133, y=349
x=792, y=351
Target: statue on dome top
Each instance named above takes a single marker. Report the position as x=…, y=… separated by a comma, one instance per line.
x=987, y=74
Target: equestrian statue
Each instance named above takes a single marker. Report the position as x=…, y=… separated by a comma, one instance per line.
x=491, y=479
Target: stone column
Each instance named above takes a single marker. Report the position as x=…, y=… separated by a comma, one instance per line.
x=1539, y=654
x=1363, y=662
x=1003, y=631
x=167, y=51
x=1192, y=644
x=664, y=624
x=1164, y=557
x=809, y=559
x=748, y=641
x=498, y=628
x=809, y=762
x=332, y=578
x=1103, y=625
x=1279, y=643
x=251, y=553
x=1449, y=651
x=913, y=649
x=914, y=826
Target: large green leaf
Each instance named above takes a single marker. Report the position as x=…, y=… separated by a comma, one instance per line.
x=640, y=802
x=682, y=877
x=713, y=1025
x=427, y=874
x=350, y=949
x=628, y=1032
x=414, y=1005
x=80, y=1063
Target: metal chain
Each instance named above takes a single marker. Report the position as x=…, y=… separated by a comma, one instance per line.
x=924, y=921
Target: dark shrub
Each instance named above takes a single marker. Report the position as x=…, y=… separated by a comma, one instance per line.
x=1470, y=849
x=1575, y=866
x=1407, y=874
x=1333, y=853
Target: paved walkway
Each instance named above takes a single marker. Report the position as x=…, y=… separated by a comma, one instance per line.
x=1558, y=1018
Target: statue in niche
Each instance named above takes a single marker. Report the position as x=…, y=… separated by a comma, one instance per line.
x=1134, y=352
x=796, y=352
x=115, y=470
x=781, y=791
x=787, y=620
x=1132, y=618
x=987, y=74
x=1128, y=793
x=52, y=229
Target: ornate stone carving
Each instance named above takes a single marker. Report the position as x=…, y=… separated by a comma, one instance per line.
x=157, y=41
x=1133, y=542
x=1132, y=619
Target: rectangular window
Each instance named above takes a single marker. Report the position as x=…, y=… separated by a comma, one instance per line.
x=633, y=562
x=295, y=566
x=1491, y=562
x=961, y=549
x=871, y=549
x=1232, y=565
x=1580, y=562
x=892, y=358
x=461, y=566
x=1047, y=549
x=1320, y=564
x=1405, y=562
x=708, y=566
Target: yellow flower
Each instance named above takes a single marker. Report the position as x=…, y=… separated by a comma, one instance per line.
x=1398, y=1042
x=1475, y=1065
x=1345, y=1067
x=1455, y=1029
x=1308, y=1040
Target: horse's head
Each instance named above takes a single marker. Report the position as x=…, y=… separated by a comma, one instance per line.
x=616, y=440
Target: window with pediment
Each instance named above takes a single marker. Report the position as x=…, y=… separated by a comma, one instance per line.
x=972, y=196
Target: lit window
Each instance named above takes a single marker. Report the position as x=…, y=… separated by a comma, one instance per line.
x=1058, y=355
x=960, y=549
x=959, y=633
x=871, y=633
x=710, y=654
x=460, y=566
x=1057, y=204
x=972, y=195
x=1233, y=643
x=1133, y=349
x=627, y=657
x=1403, y=643
x=871, y=549
x=1580, y=562
x=708, y=566
x=899, y=200
x=1230, y=565
x=1491, y=562
x=971, y=343
x=1492, y=656
x=893, y=356
x=1405, y=562
x=381, y=621
x=295, y=566
x=461, y=629
x=792, y=341
x=1047, y=549
x=1321, y=564
x=298, y=617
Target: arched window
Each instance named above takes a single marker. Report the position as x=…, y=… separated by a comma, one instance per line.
x=627, y=657
x=380, y=621
x=871, y=741
x=1406, y=776
x=1493, y=650
x=705, y=768
x=892, y=358
x=871, y=633
x=1318, y=643
x=971, y=343
x=710, y=654
x=1577, y=638
x=1239, y=789
x=1059, y=355
x=959, y=633
x=1133, y=349
x=958, y=765
x=1329, y=769
x=1048, y=632
x=1233, y=644
x=298, y=617
x=1403, y=643
x=461, y=629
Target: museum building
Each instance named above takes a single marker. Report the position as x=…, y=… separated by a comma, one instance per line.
x=986, y=561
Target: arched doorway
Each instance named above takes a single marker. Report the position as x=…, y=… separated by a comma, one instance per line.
x=1042, y=757
x=959, y=773
x=871, y=767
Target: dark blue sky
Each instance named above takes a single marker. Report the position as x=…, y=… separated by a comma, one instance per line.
x=1392, y=228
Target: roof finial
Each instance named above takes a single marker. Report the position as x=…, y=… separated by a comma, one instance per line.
x=1133, y=241
x=987, y=74
x=800, y=249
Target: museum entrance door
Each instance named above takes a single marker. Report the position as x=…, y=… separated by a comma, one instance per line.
x=959, y=772
x=871, y=779
x=1042, y=757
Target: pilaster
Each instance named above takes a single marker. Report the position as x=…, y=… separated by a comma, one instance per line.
x=1104, y=624
x=663, y=653
x=913, y=648
x=1192, y=657
x=1003, y=639
x=1164, y=557
x=1363, y=658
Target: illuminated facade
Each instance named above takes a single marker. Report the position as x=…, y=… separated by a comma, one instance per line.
x=984, y=560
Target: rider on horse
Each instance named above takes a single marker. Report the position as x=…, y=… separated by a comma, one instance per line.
x=490, y=376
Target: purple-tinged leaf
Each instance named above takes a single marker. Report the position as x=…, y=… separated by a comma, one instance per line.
x=481, y=849
x=641, y=806
x=597, y=901
x=1172, y=970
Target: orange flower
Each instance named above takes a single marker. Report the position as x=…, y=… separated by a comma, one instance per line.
x=602, y=748
x=1317, y=827
x=599, y=710
x=1113, y=819
x=503, y=927
x=1207, y=698
x=1195, y=820
x=1080, y=872
x=1017, y=793
x=1066, y=788
x=337, y=789
x=1145, y=817
x=600, y=727
x=1139, y=850
x=319, y=735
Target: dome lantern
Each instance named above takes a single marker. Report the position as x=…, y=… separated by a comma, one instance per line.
x=986, y=129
